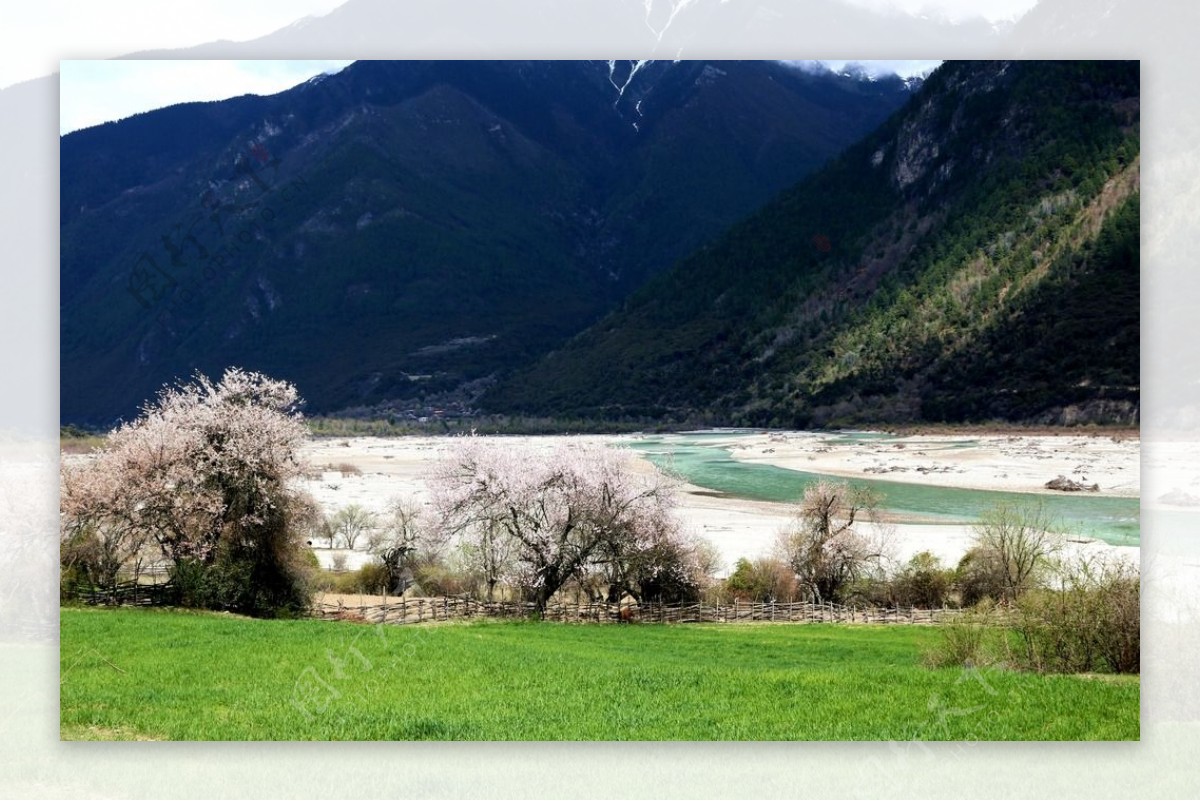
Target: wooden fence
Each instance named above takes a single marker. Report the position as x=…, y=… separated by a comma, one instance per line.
x=428, y=610
x=125, y=593
x=401, y=611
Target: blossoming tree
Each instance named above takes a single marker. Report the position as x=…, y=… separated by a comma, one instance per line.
x=558, y=512
x=205, y=471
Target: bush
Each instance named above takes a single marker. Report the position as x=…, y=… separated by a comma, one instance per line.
x=347, y=583
x=373, y=579
x=970, y=641
x=1119, y=622
x=869, y=592
x=310, y=559
x=1093, y=623
x=979, y=576
x=436, y=578
x=923, y=583
x=268, y=577
x=764, y=579
x=325, y=581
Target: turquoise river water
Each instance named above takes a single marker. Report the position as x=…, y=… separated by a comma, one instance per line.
x=703, y=459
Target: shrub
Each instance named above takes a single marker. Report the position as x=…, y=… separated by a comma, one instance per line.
x=310, y=559
x=869, y=592
x=1091, y=623
x=923, y=582
x=373, y=578
x=265, y=577
x=325, y=581
x=764, y=579
x=347, y=583
x=437, y=578
x=970, y=641
x=1119, y=620
x=979, y=576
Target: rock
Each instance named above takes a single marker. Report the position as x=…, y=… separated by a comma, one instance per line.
x=1064, y=484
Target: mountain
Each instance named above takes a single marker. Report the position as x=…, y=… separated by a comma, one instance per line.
x=975, y=258
x=405, y=230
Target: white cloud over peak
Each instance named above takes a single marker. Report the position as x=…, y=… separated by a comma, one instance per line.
x=905, y=69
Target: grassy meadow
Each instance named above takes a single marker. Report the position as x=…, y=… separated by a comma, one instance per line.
x=158, y=674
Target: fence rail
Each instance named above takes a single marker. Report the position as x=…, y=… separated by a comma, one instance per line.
x=401, y=611
x=426, y=610
x=126, y=593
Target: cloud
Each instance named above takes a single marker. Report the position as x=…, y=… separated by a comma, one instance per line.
x=905, y=69
x=93, y=92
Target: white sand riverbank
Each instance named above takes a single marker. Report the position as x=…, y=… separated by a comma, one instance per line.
x=738, y=527
x=1010, y=463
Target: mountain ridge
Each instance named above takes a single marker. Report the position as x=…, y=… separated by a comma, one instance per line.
x=837, y=302
x=412, y=205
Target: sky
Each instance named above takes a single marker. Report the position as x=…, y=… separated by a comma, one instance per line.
x=92, y=92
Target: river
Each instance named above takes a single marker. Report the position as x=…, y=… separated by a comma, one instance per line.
x=704, y=459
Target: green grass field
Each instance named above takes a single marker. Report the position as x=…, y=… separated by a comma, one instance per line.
x=157, y=674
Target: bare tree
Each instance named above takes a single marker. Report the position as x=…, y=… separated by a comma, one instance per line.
x=350, y=523
x=488, y=552
x=560, y=509
x=835, y=539
x=403, y=532
x=1018, y=542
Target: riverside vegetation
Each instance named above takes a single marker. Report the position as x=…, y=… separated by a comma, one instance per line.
x=201, y=481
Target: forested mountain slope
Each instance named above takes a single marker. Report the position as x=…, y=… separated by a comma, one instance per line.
x=974, y=258
x=406, y=230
